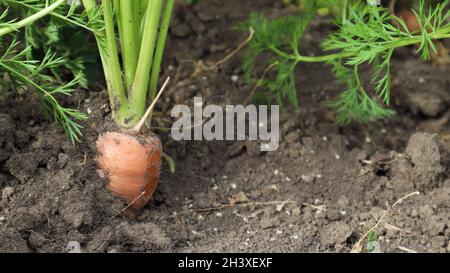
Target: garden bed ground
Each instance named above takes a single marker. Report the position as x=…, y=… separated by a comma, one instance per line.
x=335, y=182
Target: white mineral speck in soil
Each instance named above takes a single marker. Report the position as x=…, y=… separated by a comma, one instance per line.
x=219, y=214
x=233, y=186
x=73, y=247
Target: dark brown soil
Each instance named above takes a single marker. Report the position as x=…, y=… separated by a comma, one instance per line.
x=323, y=189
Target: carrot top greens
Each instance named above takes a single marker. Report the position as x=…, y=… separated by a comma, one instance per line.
x=366, y=34
x=142, y=27
x=16, y=60
x=130, y=35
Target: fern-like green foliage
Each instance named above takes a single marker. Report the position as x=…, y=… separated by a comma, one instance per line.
x=48, y=41
x=25, y=74
x=280, y=35
x=366, y=35
x=74, y=46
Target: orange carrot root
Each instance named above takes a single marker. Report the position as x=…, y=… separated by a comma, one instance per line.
x=132, y=165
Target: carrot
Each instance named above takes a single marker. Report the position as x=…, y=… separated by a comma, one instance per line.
x=131, y=160
x=131, y=39
x=132, y=164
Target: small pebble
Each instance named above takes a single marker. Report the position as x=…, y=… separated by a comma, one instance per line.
x=73, y=247
x=276, y=172
x=234, y=78
x=233, y=186
x=219, y=214
x=7, y=192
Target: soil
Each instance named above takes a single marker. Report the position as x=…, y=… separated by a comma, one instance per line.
x=321, y=191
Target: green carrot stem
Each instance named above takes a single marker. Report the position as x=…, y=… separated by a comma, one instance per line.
x=90, y=5
x=140, y=85
x=162, y=37
x=120, y=101
x=130, y=51
x=31, y=19
x=443, y=34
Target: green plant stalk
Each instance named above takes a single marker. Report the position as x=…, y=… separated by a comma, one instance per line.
x=119, y=19
x=57, y=15
x=120, y=102
x=138, y=94
x=143, y=4
x=89, y=5
x=159, y=53
x=31, y=19
x=129, y=39
x=137, y=19
x=443, y=34
x=129, y=96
